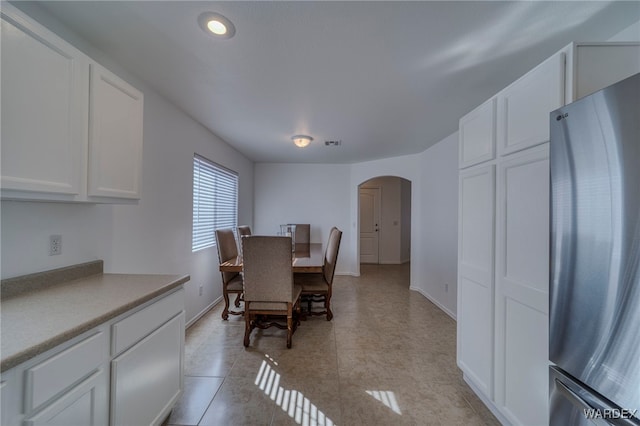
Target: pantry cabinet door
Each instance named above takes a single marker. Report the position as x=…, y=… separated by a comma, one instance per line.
x=522, y=286
x=524, y=106
x=44, y=109
x=115, y=136
x=475, y=275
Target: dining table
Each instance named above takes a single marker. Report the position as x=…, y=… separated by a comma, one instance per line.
x=306, y=258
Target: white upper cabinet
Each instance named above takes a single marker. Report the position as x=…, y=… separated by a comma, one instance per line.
x=478, y=135
x=524, y=106
x=44, y=87
x=115, y=136
x=64, y=137
x=595, y=66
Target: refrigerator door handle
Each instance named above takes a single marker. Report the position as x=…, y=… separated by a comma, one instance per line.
x=592, y=405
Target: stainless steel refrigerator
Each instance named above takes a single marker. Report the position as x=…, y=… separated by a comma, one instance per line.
x=595, y=259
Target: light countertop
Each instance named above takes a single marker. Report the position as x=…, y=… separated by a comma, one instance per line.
x=36, y=321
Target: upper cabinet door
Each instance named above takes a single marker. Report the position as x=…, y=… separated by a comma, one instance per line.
x=524, y=106
x=44, y=98
x=115, y=136
x=478, y=135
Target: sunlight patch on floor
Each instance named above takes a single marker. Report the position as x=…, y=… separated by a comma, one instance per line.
x=388, y=398
x=292, y=402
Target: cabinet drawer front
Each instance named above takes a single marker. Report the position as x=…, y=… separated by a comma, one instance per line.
x=132, y=329
x=59, y=372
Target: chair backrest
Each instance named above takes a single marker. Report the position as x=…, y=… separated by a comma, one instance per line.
x=267, y=268
x=303, y=233
x=331, y=254
x=227, y=250
x=243, y=231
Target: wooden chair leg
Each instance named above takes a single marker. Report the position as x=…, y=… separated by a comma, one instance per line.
x=289, y=330
x=247, y=327
x=237, y=302
x=289, y=324
x=327, y=307
x=225, y=312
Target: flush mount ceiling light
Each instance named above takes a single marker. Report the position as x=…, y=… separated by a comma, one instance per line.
x=216, y=25
x=301, y=140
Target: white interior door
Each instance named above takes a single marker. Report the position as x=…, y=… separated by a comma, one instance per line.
x=369, y=224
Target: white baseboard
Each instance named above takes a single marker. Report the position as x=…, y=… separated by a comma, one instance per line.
x=434, y=301
x=348, y=274
x=487, y=402
x=202, y=312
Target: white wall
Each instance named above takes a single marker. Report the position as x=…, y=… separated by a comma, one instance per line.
x=317, y=194
x=405, y=221
x=631, y=33
x=437, y=265
x=406, y=167
x=153, y=236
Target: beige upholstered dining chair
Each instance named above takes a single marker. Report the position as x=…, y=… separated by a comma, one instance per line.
x=243, y=231
x=269, y=290
x=318, y=287
x=303, y=233
x=231, y=281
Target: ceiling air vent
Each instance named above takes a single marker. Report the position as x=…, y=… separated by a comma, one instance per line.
x=333, y=143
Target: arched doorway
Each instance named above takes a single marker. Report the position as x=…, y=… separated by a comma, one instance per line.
x=384, y=216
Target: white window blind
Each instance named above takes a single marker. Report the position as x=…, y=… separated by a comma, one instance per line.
x=215, y=201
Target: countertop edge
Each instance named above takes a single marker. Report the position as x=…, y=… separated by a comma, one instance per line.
x=25, y=355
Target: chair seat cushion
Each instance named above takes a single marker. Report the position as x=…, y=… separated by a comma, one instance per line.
x=235, y=284
x=312, y=283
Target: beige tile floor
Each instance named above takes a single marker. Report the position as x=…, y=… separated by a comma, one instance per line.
x=386, y=358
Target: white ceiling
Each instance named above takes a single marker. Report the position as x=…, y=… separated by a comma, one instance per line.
x=386, y=78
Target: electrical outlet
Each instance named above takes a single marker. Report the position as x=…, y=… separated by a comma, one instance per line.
x=200, y=291
x=55, y=245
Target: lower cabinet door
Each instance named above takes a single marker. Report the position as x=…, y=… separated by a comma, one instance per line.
x=475, y=276
x=146, y=380
x=85, y=405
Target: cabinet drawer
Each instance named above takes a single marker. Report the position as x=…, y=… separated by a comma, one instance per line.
x=134, y=328
x=49, y=378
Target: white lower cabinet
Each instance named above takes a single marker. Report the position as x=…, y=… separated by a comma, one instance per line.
x=10, y=397
x=85, y=382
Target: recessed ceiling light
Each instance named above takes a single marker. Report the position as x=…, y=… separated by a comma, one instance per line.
x=216, y=25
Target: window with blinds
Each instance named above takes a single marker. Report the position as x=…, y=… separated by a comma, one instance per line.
x=215, y=201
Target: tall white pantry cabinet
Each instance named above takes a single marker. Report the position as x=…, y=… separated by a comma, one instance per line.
x=71, y=129
x=503, y=227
